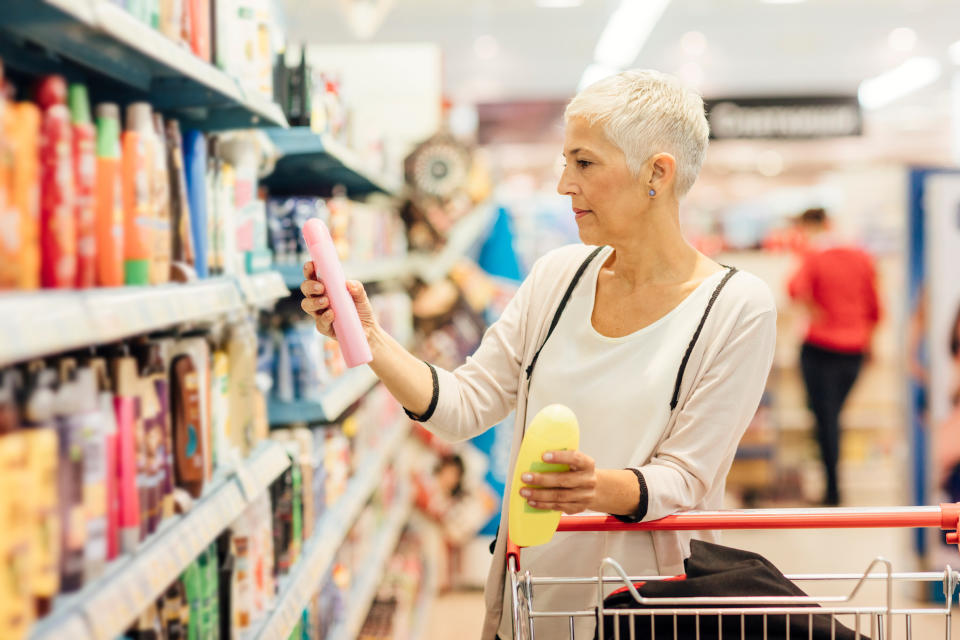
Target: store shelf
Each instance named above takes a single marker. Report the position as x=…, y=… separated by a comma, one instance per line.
x=125, y=59
x=263, y=289
x=106, y=607
x=465, y=235
x=329, y=534
x=365, y=587
x=312, y=164
x=373, y=271
x=41, y=323
x=334, y=399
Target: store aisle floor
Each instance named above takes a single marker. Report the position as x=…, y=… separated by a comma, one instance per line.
x=814, y=551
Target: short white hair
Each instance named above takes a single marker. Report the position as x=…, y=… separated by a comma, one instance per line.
x=646, y=112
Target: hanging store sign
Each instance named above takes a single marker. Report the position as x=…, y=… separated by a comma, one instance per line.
x=784, y=117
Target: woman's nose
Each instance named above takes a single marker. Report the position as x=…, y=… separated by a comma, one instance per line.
x=564, y=186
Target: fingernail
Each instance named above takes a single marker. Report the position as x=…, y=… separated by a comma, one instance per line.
x=524, y=492
x=548, y=457
x=527, y=477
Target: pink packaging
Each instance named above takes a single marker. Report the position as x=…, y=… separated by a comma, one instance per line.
x=346, y=322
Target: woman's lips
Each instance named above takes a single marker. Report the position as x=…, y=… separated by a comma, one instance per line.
x=579, y=213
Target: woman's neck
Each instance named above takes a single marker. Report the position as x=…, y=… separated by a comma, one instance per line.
x=657, y=254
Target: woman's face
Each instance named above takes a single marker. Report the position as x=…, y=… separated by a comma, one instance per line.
x=606, y=198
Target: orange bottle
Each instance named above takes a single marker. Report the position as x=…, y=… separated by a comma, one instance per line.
x=25, y=185
x=137, y=196
x=107, y=198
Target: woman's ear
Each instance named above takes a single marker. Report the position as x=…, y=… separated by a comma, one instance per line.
x=663, y=172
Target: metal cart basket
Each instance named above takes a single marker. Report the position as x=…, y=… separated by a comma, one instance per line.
x=656, y=617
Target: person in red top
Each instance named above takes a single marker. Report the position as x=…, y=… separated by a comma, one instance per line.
x=837, y=284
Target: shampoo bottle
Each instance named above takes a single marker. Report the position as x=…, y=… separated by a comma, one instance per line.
x=107, y=198
x=160, y=181
x=137, y=207
x=554, y=428
x=187, y=427
x=58, y=229
x=346, y=322
x=195, y=170
x=84, y=166
x=126, y=381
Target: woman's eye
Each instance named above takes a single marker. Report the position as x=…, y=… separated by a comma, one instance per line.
x=583, y=164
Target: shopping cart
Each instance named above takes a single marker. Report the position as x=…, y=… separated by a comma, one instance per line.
x=658, y=615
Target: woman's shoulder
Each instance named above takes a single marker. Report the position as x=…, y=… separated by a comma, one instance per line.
x=748, y=294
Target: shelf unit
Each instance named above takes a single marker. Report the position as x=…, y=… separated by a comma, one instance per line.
x=364, y=589
x=329, y=534
x=126, y=60
x=333, y=401
x=312, y=164
x=466, y=233
x=382, y=270
x=40, y=323
x=107, y=606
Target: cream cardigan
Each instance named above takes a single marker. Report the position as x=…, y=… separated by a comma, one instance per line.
x=719, y=394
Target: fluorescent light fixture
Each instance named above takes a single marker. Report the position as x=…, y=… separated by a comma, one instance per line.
x=627, y=31
x=913, y=74
x=594, y=73
x=954, y=52
x=558, y=4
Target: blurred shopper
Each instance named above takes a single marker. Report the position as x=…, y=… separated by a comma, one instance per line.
x=836, y=282
x=660, y=352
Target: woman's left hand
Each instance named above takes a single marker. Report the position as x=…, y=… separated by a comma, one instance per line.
x=570, y=491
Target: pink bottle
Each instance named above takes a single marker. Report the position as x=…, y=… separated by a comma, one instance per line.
x=346, y=322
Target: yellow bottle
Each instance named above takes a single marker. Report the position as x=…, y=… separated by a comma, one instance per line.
x=554, y=428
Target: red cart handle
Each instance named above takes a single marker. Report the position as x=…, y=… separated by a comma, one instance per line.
x=945, y=516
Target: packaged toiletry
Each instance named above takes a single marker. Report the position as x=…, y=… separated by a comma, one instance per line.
x=242, y=354
x=20, y=242
x=105, y=405
x=84, y=168
x=38, y=420
x=58, y=229
x=198, y=349
x=129, y=464
x=160, y=190
x=187, y=425
x=195, y=170
x=94, y=430
x=223, y=448
x=108, y=198
x=180, y=223
x=138, y=210
x=154, y=358
x=70, y=479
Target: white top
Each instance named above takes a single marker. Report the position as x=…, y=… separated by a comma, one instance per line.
x=721, y=388
x=620, y=391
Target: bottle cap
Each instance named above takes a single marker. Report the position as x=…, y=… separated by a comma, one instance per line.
x=136, y=272
x=139, y=117
x=79, y=104
x=51, y=91
x=108, y=130
x=314, y=231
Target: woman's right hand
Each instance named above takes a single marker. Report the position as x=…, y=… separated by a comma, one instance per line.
x=317, y=304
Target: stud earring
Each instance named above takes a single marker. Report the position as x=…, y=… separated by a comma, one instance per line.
x=652, y=193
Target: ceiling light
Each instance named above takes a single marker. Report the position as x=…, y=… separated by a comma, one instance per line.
x=626, y=32
x=782, y=1
x=954, y=52
x=486, y=47
x=693, y=43
x=902, y=39
x=558, y=4
x=594, y=73
x=913, y=74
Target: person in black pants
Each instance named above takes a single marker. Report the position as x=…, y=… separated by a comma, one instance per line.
x=836, y=282
x=829, y=377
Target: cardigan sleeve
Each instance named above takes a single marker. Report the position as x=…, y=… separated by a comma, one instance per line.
x=700, y=448
x=483, y=391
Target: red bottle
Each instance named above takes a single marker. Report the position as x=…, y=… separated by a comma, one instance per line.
x=84, y=163
x=58, y=229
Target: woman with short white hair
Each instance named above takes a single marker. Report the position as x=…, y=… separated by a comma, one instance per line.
x=660, y=352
